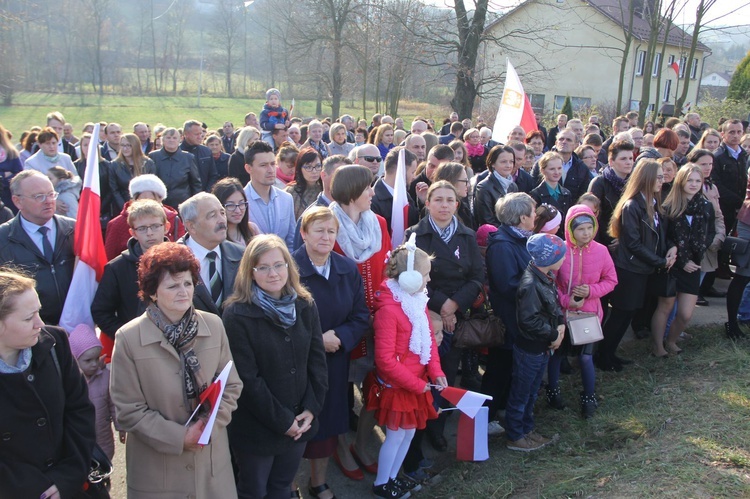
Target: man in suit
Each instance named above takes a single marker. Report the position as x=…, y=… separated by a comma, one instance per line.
x=206, y=223
x=382, y=201
x=562, y=122
x=39, y=242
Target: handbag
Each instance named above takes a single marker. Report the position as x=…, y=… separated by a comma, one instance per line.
x=97, y=483
x=583, y=327
x=481, y=328
x=735, y=247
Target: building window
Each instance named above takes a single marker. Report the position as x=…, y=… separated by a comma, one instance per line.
x=578, y=103
x=694, y=69
x=640, y=63
x=683, y=64
x=670, y=60
x=537, y=102
x=667, y=90
x=657, y=65
x=650, y=108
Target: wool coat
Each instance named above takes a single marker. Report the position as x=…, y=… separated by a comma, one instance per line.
x=146, y=386
x=283, y=371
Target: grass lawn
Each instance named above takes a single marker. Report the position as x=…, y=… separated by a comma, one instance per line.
x=32, y=108
x=678, y=427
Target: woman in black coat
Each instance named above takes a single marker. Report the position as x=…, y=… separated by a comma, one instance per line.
x=456, y=279
x=274, y=332
x=501, y=162
x=609, y=185
x=344, y=318
x=129, y=163
x=641, y=233
x=46, y=420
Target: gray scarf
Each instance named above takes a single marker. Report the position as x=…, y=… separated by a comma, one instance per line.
x=361, y=240
x=281, y=312
x=445, y=234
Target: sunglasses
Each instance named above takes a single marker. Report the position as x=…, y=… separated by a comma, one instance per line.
x=372, y=159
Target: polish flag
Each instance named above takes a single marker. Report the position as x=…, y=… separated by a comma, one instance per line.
x=676, y=67
x=211, y=398
x=515, y=108
x=471, y=438
x=88, y=245
x=400, y=209
x=467, y=402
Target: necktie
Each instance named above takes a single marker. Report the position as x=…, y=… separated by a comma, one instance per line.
x=46, y=245
x=214, y=278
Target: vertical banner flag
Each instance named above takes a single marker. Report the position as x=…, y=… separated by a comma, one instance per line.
x=676, y=67
x=400, y=209
x=471, y=438
x=515, y=108
x=88, y=245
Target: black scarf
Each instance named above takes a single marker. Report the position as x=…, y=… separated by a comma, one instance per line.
x=610, y=176
x=691, y=237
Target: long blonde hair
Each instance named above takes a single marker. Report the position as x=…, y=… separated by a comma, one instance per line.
x=640, y=183
x=259, y=246
x=677, y=200
x=137, y=154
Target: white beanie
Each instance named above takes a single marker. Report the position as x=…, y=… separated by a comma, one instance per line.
x=147, y=182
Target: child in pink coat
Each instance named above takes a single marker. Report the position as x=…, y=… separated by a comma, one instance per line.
x=405, y=356
x=87, y=350
x=587, y=274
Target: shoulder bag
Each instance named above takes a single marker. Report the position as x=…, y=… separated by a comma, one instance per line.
x=480, y=328
x=583, y=327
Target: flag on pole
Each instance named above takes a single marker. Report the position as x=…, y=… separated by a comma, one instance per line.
x=400, y=209
x=515, y=108
x=211, y=397
x=471, y=438
x=88, y=245
x=466, y=401
x=676, y=67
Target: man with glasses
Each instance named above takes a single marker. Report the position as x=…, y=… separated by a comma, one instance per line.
x=39, y=242
x=116, y=300
x=367, y=155
x=206, y=222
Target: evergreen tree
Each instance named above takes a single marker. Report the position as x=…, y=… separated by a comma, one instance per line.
x=567, y=108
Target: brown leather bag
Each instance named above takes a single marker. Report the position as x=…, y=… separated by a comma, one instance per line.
x=481, y=328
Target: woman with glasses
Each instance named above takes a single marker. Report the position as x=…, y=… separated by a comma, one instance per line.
x=588, y=155
x=277, y=343
x=232, y=197
x=128, y=164
x=307, y=183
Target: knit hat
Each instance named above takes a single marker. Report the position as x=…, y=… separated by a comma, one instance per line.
x=583, y=218
x=147, y=182
x=483, y=234
x=83, y=339
x=545, y=249
x=273, y=91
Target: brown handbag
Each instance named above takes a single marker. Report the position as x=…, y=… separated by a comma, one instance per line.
x=481, y=328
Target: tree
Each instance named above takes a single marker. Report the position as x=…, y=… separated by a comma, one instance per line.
x=227, y=20
x=567, y=108
x=628, y=33
x=739, y=87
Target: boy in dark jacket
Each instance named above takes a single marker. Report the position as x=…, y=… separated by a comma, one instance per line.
x=541, y=329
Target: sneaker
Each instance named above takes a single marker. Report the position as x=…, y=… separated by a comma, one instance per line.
x=388, y=491
x=539, y=439
x=418, y=476
x=494, y=428
x=406, y=484
x=523, y=444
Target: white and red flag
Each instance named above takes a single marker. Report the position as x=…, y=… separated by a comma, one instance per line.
x=515, y=108
x=211, y=398
x=466, y=401
x=88, y=245
x=400, y=210
x=471, y=439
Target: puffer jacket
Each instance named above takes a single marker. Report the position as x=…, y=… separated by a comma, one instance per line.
x=538, y=310
x=395, y=363
x=642, y=246
x=590, y=264
x=69, y=191
x=98, y=386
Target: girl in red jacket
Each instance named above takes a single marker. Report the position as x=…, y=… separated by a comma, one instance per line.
x=405, y=355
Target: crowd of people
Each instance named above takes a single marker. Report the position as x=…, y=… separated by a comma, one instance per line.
x=272, y=245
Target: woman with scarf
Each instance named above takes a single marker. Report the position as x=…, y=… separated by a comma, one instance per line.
x=551, y=191
x=363, y=237
x=501, y=162
x=476, y=152
x=609, y=185
x=162, y=363
x=689, y=214
x=315, y=139
x=274, y=330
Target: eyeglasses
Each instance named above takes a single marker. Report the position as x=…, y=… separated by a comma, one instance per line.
x=143, y=229
x=313, y=168
x=125, y=144
x=41, y=198
x=465, y=181
x=266, y=269
x=372, y=159
x=236, y=206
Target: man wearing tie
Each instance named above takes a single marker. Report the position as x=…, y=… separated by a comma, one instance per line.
x=39, y=242
x=206, y=223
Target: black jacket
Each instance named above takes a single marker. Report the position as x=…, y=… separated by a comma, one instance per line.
x=479, y=163
x=205, y=161
x=457, y=271
x=228, y=141
x=538, y=310
x=488, y=192
x=283, y=372
x=563, y=202
x=552, y=137
x=46, y=423
x=603, y=156
x=576, y=180
x=525, y=182
x=730, y=177
x=222, y=165
x=382, y=204
x=179, y=172
x=67, y=148
x=642, y=248
x=422, y=177
x=608, y=198
x=52, y=280
x=107, y=208
x=682, y=233
x=120, y=175
x=116, y=300
x=231, y=254
x=236, y=167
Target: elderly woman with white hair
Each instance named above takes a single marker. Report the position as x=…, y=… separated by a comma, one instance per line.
x=236, y=168
x=315, y=139
x=338, y=144
x=176, y=168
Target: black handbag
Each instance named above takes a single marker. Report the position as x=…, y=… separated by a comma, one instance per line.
x=481, y=328
x=735, y=247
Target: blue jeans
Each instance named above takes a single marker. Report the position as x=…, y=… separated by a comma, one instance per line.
x=528, y=371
